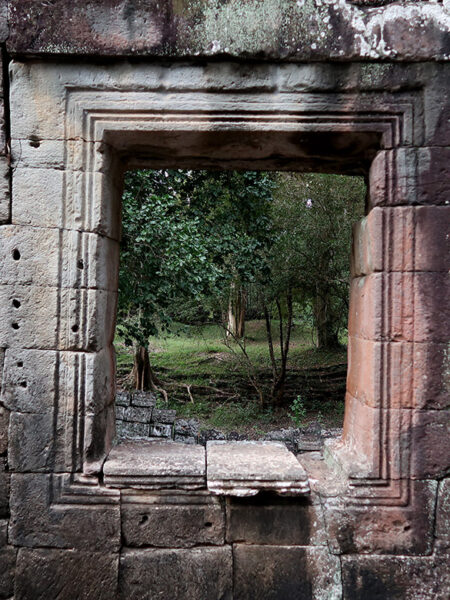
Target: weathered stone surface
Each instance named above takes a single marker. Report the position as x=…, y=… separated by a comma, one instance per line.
x=245, y=468
x=32, y=318
x=66, y=574
x=40, y=518
x=172, y=520
x=4, y=25
x=421, y=174
x=268, y=519
x=4, y=493
x=427, y=322
x=7, y=571
x=285, y=573
x=5, y=198
x=31, y=442
x=385, y=529
x=36, y=200
x=431, y=385
x=99, y=433
x=4, y=425
x=396, y=578
x=32, y=379
x=135, y=414
x=146, y=399
x=430, y=436
x=443, y=516
x=125, y=430
x=163, y=416
x=90, y=260
x=160, y=430
x=195, y=573
x=261, y=30
x=155, y=465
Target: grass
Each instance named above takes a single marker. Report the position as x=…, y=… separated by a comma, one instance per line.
x=197, y=356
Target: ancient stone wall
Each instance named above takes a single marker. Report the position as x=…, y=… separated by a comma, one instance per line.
x=90, y=89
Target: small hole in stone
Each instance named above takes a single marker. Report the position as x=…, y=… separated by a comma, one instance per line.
x=16, y=254
x=144, y=519
x=15, y=325
x=74, y=328
x=16, y=303
x=20, y=363
x=208, y=524
x=23, y=384
x=34, y=142
x=80, y=264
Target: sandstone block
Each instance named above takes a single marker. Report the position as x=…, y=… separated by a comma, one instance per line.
x=155, y=465
x=65, y=574
x=7, y=571
x=390, y=529
x=361, y=434
x=146, y=399
x=31, y=442
x=285, y=573
x=136, y=414
x=5, y=198
x=364, y=370
x=4, y=425
x=410, y=176
x=432, y=307
x=86, y=319
x=259, y=32
x=431, y=376
x=57, y=198
x=172, y=521
x=33, y=378
x=366, y=307
x=51, y=257
x=443, y=516
x=245, y=468
x=431, y=240
x=196, y=573
x=4, y=494
x=266, y=519
x=163, y=416
x=125, y=430
x=430, y=439
x=4, y=25
x=39, y=517
x=99, y=433
x=415, y=239
x=3, y=532
x=396, y=578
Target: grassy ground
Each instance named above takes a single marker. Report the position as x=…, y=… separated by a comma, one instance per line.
x=198, y=357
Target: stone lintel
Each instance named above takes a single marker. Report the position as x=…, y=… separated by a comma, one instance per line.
x=268, y=29
x=246, y=468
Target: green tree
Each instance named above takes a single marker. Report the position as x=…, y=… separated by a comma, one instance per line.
x=312, y=219
x=185, y=235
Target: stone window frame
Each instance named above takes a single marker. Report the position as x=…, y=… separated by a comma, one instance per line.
x=96, y=120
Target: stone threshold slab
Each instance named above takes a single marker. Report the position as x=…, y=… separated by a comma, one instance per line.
x=246, y=468
x=155, y=465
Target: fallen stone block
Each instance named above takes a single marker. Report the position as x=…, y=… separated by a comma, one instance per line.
x=155, y=465
x=246, y=468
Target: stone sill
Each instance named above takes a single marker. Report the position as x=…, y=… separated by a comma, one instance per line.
x=224, y=468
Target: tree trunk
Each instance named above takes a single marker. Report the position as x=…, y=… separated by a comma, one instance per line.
x=327, y=337
x=142, y=373
x=236, y=311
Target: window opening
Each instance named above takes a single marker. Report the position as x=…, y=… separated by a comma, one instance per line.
x=233, y=305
